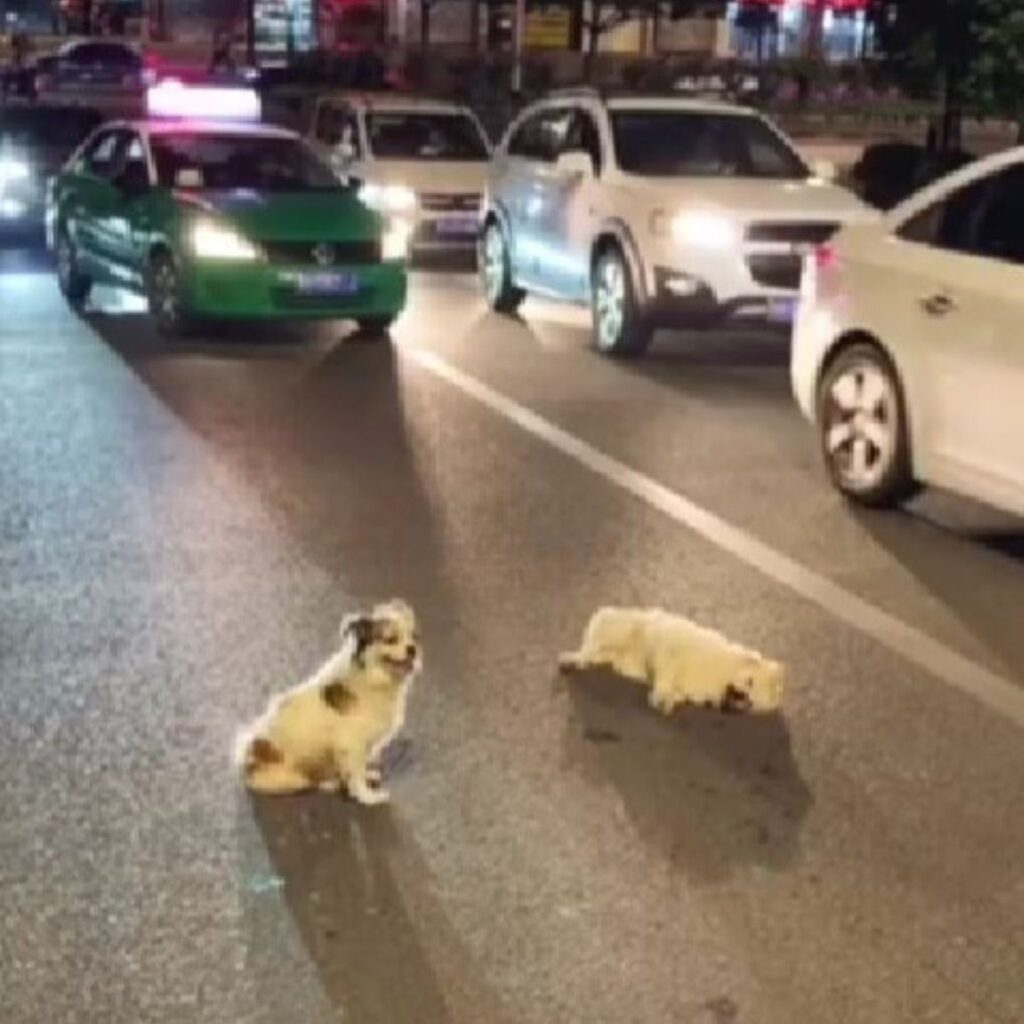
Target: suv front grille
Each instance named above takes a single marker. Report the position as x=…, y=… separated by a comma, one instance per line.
x=809, y=233
x=451, y=202
x=323, y=253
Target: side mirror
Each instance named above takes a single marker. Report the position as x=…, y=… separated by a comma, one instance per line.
x=825, y=170
x=575, y=163
x=133, y=180
x=345, y=152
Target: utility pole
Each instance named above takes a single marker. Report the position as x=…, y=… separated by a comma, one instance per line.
x=518, y=41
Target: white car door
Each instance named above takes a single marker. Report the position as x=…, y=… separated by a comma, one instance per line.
x=971, y=308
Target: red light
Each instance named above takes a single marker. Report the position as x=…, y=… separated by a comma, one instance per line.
x=825, y=257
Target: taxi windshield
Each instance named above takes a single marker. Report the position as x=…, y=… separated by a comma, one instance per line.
x=217, y=162
x=663, y=143
x=415, y=135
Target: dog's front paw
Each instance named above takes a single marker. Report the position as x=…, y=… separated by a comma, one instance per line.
x=329, y=785
x=374, y=776
x=661, y=702
x=371, y=797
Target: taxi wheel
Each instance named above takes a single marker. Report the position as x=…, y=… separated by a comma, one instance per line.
x=863, y=427
x=166, y=302
x=495, y=265
x=374, y=328
x=620, y=327
x=74, y=285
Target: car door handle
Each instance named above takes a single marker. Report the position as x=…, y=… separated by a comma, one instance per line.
x=938, y=304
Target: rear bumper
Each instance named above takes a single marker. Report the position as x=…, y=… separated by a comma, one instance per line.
x=259, y=291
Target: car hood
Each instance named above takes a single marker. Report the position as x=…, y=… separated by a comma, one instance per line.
x=441, y=176
x=759, y=200
x=291, y=216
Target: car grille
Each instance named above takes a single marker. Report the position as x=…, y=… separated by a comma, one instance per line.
x=776, y=270
x=315, y=253
x=809, y=233
x=456, y=202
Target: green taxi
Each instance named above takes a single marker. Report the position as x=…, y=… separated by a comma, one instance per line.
x=212, y=220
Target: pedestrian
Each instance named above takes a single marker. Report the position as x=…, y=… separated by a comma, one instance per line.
x=222, y=60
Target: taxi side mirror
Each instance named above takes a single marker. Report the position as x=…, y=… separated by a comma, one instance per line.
x=575, y=163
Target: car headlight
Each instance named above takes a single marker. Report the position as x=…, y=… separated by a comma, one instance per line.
x=395, y=240
x=388, y=198
x=12, y=169
x=212, y=241
x=704, y=229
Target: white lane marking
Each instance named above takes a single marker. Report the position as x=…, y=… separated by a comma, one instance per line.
x=960, y=672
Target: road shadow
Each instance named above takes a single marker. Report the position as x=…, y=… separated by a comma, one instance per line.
x=362, y=903
x=974, y=570
x=711, y=793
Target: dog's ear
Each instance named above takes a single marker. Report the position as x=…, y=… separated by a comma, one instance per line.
x=360, y=628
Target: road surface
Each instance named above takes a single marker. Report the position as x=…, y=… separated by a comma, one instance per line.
x=182, y=528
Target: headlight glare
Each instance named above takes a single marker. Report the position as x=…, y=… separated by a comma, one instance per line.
x=388, y=198
x=396, y=237
x=705, y=229
x=212, y=241
x=12, y=169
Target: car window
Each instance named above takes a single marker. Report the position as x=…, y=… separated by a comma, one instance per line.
x=583, y=134
x=983, y=218
x=1000, y=231
x=542, y=136
x=101, y=154
x=336, y=125
x=134, y=156
x=102, y=53
x=424, y=135
x=667, y=143
x=259, y=163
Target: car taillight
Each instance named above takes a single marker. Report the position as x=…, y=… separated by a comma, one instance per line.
x=824, y=257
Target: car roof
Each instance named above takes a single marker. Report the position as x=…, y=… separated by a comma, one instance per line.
x=74, y=44
x=395, y=101
x=668, y=101
x=155, y=126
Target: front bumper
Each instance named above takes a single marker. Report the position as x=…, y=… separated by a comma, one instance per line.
x=270, y=292
x=678, y=298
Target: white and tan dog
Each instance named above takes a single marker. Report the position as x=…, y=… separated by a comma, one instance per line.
x=682, y=662
x=328, y=732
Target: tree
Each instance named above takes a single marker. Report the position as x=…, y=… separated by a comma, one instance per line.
x=965, y=53
x=996, y=82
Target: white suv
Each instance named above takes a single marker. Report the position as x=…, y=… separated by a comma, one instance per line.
x=659, y=212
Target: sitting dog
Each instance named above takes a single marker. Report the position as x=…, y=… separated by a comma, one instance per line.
x=682, y=662
x=328, y=732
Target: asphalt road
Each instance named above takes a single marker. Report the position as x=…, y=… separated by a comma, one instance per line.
x=182, y=527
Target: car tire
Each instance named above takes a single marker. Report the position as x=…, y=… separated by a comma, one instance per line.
x=374, y=328
x=495, y=263
x=862, y=424
x=74, y=285
x=166, y=300
x=620, y=327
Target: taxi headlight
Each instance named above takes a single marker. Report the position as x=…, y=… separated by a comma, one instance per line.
x=388, y=198
x=212, y=241
x=395, y=240
x=12, y=169
x=704, y=229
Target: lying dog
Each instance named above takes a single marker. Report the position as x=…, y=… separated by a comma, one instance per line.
x=328, y=732
x=682, y=662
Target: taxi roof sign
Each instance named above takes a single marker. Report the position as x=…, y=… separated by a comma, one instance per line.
x=172, y=98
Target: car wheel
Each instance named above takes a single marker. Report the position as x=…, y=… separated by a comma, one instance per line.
x=620, y=327
x=74, y=285
x=863, y=426
x=166, y=301
x=496, y=271
x=374, y=328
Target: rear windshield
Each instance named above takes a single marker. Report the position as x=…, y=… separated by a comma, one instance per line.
x=218, y=162
x=412, y=135
x=46, y=126
x=666, y=143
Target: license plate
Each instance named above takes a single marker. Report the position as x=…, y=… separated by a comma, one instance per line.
x=782, y=311
x=327, y=282
x=459, y=226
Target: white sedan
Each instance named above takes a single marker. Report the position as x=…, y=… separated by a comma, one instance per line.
x=908, y=353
